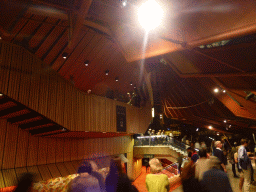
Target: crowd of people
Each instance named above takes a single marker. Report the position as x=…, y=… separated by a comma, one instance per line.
x=203, y=170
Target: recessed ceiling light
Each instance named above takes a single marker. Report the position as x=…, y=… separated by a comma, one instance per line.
x=210, y=127
x=216, y=90
x=224, y=91
x=116, y=79
x=1, y=94
x=86, y=63
x=124, y=3
x=107, y=72
x=130, y=83
x=64, y=55
x=225, y=121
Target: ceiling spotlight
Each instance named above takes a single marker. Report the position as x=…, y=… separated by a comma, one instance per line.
x=64, y=55
x=130, y=83
x=218, y=134
x=1, y=94
x=116, y=79
x=225, y=121
x=128, y=93
x=197, y=129
x=210, y=127
x=224, y=91
x=150, y=15
x=216, y=90
x=86, y=63
x=107, y=72
x=124, y=3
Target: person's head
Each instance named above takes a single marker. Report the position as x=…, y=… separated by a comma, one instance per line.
x=214, y=162
x=25, y=183
x=116, y=166
x=244, y=142
x=218, y=144
x=202, y=153
x=155, y=165
x=85, y=168
x=189, y=149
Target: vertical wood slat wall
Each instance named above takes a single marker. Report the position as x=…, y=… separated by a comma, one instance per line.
x=20, y=149
x=28, y=80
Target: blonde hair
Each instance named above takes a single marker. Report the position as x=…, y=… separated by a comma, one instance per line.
x=155, y=165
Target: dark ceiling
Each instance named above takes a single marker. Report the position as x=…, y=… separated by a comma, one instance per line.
x=107, y=35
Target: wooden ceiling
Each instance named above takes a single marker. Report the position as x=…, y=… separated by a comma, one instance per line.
x=108, y=35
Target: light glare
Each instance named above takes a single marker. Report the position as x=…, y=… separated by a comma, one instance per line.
x=150, y=15
x=216, y=90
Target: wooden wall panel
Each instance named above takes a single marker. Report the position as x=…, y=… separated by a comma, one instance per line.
x=62, y=168
x=67, y=149
x=44, y=172
x=35, y=85
x=52, y=86
x=81, y=149
x=60, y=150
x=3, y=127
x=34, y=170
x=2, y=184
x=22, y=149
x=59, y=105
x=51, y=150
x=74, y=149
x=10, y=178
x=54, y=170
x=42, y=151
x=20, y=171
x=10, y=147
x=32, y=151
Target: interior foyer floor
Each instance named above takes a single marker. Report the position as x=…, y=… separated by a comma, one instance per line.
x=141, y=186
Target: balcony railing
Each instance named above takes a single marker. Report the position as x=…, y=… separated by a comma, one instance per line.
x=160, y=140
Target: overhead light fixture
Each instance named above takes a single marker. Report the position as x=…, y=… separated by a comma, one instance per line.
x=216, y=90
x=64, y=55
x=86, y=63
x=225, y=121
x=1, y=94
x=210, y=127
x=130, y=83
x=107, y=72
x=224, y=91
x=150, y=15
x=116, y=79
x=124, y=3
x=218, y=133
x=197, y=129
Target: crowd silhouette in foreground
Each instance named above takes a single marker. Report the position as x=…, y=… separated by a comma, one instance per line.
x=201, y=171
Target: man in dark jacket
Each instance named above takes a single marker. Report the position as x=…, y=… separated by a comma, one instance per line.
x=219, y=153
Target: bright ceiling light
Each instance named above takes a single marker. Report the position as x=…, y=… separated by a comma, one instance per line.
x=216, y=90
x=224, y=91
x=124, y=3
x=150, y=15
x=225, y=121
x=210, y=127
